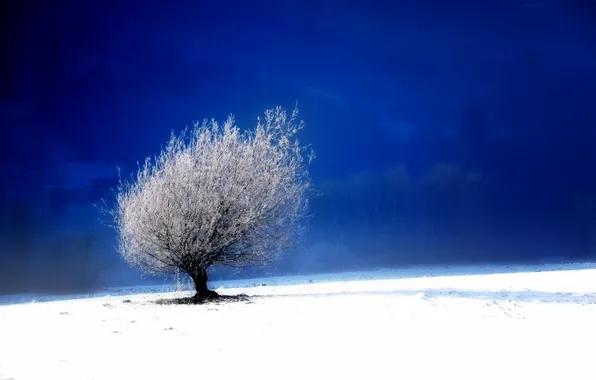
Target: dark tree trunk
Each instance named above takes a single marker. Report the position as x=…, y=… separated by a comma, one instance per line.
x=200, y=280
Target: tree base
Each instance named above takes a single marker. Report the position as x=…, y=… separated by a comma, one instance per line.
x=205, y=298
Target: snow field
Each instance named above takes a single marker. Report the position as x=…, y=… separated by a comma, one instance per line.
x=524, y=325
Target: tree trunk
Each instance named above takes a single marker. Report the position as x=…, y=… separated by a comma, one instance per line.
x=202, y=291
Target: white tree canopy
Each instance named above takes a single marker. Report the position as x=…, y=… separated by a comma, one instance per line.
x=217, y=196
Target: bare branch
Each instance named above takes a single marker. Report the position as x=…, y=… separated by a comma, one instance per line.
x=217, y=196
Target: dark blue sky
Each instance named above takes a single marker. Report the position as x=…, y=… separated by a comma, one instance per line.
x=444, y=132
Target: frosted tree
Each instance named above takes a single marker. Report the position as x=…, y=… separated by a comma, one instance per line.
x=216, y=196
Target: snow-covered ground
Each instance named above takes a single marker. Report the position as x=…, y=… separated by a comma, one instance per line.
x=424, y=323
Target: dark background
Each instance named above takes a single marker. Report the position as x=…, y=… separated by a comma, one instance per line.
x=445, y=132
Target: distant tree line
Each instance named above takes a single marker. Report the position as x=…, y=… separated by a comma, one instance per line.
x=50, y=241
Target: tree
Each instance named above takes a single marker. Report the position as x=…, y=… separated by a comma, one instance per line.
x=216, y=197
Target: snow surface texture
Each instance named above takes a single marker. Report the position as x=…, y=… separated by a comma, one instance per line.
x=441, y=323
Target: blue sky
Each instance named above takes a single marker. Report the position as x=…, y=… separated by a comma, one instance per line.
x=499, y=96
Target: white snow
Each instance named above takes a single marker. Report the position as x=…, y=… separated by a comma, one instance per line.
x=423, y=323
